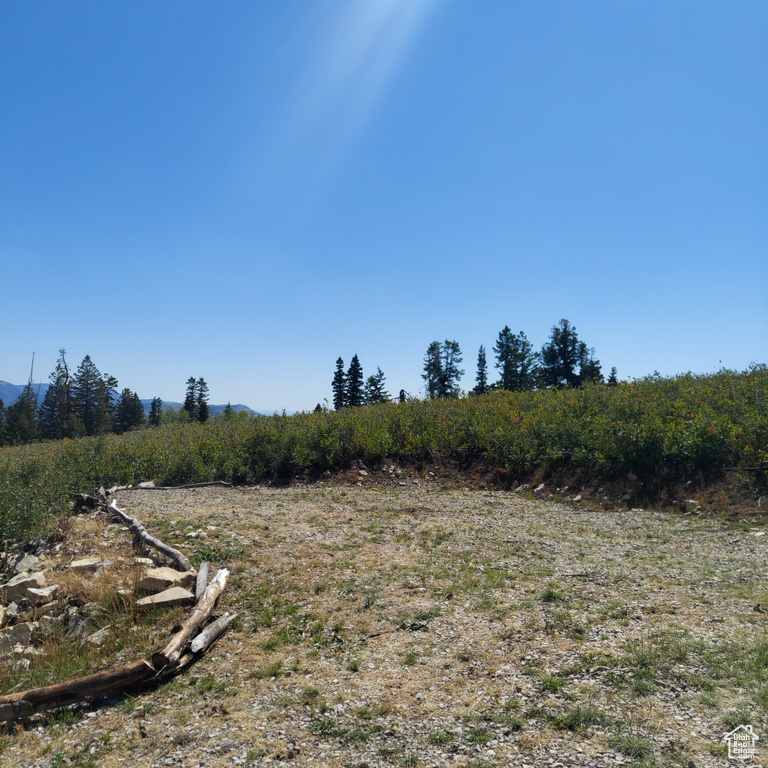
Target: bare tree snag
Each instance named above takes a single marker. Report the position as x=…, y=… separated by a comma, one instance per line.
x=202, y=580
x=141, y=533
x=220, y=483
x=211, y=633
x=117, y=679
x=168, y=657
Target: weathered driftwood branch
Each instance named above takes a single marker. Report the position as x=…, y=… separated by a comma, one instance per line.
x=116, y=488
x=202, y=580
x=117, y=679
x=141, y=533
x=211, y=633
x=169, y=656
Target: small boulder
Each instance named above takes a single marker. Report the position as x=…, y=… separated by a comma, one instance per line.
x=97, y=638
x=42, y=595
x=171, y=597
x=19, y=634
x=691, y=506
x=18, y=586
x=85, y=564
x=159, y=579
x=27, y=563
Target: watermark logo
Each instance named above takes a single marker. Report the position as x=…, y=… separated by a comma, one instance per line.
x=741, y=743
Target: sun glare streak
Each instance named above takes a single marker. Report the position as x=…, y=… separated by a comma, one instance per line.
x=360, y=51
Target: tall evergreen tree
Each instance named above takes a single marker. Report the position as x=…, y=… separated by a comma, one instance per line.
x=339, y=386
x=21, y=417
x=203, y=410
x=92, y=398
x=375, y=392
x=516, y=360
x=433, y=371
x=451, y=371
x=156, y=412
x=613, y=378
x=129, y=412
x=2, y=423
x=565, y=360
x=228, y=413
x=441, y=369
x=190, y=399
x=56, y=418
x=354, y=393
x=481, y=379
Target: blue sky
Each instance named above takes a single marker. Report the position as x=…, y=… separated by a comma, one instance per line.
x=246, y=191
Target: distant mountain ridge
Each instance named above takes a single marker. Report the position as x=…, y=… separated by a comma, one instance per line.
x=9, y=393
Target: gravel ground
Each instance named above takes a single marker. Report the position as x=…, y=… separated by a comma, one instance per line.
x=420, y=624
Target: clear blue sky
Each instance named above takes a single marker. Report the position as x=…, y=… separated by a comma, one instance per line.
x=246, y=191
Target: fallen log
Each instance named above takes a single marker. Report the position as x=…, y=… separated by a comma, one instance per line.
x=112, y=681
x=169, y=656
x=117, y=488
x=210, y=634
x=141, y=533
x=202, y=580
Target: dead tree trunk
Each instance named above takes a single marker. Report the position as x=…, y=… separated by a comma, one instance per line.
x=169, y=656
x=141, y=533
x=26, y=703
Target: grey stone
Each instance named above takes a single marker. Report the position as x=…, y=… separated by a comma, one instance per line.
x=85, y=564
x=159, y=579
x=19, y=634
x=18, y=586
x=97, y=638
x=173, y=596
x=27, y=563
x=42, y=594
x=691, y=505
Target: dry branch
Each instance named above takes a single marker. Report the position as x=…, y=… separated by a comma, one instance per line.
x=211, y=633
x=168, y=657
x=221, y=483
x=202, y=580
x=114, y=680
x=141, y=533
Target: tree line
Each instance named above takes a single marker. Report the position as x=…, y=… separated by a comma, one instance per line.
x=86, y=403
x=563, y=361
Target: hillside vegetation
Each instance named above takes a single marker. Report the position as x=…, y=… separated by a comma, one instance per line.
x=663, y=431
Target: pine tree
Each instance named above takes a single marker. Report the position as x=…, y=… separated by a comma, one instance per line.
x=354, y=394
x=56, y=418
x=89, y=392
x=433, y=371
x=228, y=413
x=339, y=386
x=441, y=369
x=21, y=417
x=481, y=379
x=516, y=360
x=105, y=404
x=375, y=391
x=2, y=423
x=190, y=399
x=203, y=411
x=156, y=412
x=129, y=412
x=613, y=378
x=567, y=361
x=451, y=371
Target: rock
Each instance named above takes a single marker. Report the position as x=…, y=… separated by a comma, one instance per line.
x=11, y=611
x=539, y=488
x=691, y=505
x=19, y=634
x=147, y=484
x=27, y=563
x=3, y=618
x=97, y=638
x=85, y=564
x=42, y=595
x=632, y=477
x=159, y=579
x=173, y=596
x=577, y=497
x=144, y=561
x=18, y=586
